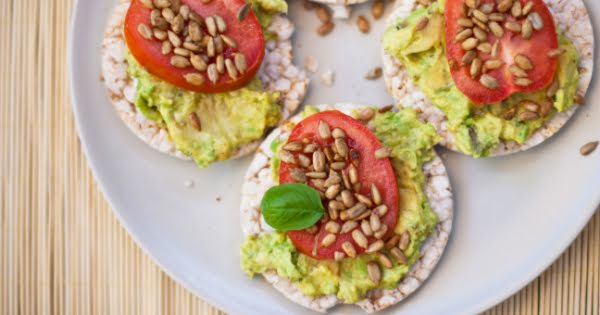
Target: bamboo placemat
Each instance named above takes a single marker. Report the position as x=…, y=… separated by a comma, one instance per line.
x=63, y=250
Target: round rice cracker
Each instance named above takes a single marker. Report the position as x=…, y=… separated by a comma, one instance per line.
x=258, y=180
x=571, y=18
x=277, y=74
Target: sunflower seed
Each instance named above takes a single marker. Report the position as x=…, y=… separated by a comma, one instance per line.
x=381, y=210
x=298, y=175
x=293, y=146
x=510, y=114
x=530, y=106
x=166, y=47
x=375, y=222
x=329, y=155
x=240, y=62
x=319, y=161
x=480, y=16
x=332, y=191
x=328, y=240
x=211, y=26
x=310, y=148
x=348, y=198
x=325, y=29
x=159, y=34
x=517, y=72
x=523, y=62
x=341, y=146
x=552, y=89
x=338, y=256
x=528, y=116
x=229, y=41
x=320, y=175
x=486, y=8
x=473, y=4
x=496, y=29
x=231, y=70
x=527, y=29
x=336, y=205
x=180, y=62
x=493, y=64
x=364, y=199
x=384, y=260
x=168, y=14
x=348, y=226
x=527, y=7
x=324, y=131
x=383, y=153
x=184, y=10
x=485, y=48
x=398, y=255
x=332, y=227
x=475, y=68
x=422, y=23
x=174, y=39
x=488, y=81
x=178, y=24
x=377, y=9
x=468, y=57
x=465, y=22
x=505, y=5
x=366, y=228
x=536, y=20
x=376, y=195
x=194, y=121
x=379, y=234
x=375, y=246
x=495, y=49
x=523, y=82
x=556, y=52
x=516, y=9
x=338, y=133
x=161, y=4
x=392, y=242
x=480, y=34
x=213, y=73
x=191, y=46
x=198, y=63
x=545, y=108
x=181, y=52
x=588, y=148
x=469, y=43
x=145, y=31
x=461, y=36
x=348, y=248
x=353, y=212
x=356, y=187
x=287, y=157
x=220, y=22
x=404, y=241
x=513, y=26
x=147, y=4
x=360, y=238
x=497, y=17
x=194, y=31
x=194, y=78
x=195, y=17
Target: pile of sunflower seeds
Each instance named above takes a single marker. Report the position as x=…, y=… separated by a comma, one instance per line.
x=482, y=25
x=193, y=41
x=333, y=172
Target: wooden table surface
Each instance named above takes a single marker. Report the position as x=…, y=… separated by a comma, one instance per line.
x=63, y=250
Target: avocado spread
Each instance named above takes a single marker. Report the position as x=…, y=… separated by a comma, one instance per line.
x=412, y=143
x=228, y=120
x=477, y=129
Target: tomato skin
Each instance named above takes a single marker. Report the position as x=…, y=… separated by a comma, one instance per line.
x=248, y=35
x=535, y=48
x=370, y=170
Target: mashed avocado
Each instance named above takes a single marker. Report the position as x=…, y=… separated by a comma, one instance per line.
x=228, y=120
x=412, y=143
x=477, y=130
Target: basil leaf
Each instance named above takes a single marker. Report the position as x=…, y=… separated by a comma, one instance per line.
x=291, y=207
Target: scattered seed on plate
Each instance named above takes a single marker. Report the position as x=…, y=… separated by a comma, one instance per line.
x=588, y=148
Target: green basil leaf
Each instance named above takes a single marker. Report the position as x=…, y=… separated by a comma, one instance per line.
x=290, y=207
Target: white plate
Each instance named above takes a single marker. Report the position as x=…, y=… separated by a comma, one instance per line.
x=514, y=215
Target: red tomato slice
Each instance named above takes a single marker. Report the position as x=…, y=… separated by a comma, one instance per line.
x=510, y=45
x=247, y=34
x=370, y=171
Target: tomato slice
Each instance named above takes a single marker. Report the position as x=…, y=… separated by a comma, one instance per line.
x=370, y=171
x=247, y=35
x=510, y=45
